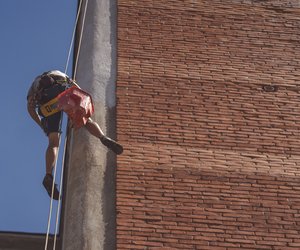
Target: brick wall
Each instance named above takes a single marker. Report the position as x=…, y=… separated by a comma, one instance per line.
x=211, y=160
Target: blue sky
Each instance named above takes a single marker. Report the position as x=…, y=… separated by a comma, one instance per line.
x=35, y=37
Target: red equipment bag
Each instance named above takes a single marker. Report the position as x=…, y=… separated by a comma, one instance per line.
x=77, y=104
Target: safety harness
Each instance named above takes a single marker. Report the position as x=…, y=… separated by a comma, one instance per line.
x=49, y=82
x=75, y=102
x=50, y=107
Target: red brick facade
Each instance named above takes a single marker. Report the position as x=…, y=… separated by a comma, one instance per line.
x=211, y=160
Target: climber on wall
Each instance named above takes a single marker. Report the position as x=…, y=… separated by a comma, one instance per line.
x=44, y=88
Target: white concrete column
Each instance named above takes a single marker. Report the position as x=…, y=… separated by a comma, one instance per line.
x=89, y=210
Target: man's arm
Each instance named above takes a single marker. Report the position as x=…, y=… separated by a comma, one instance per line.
x=32, y=111
x=73, y=83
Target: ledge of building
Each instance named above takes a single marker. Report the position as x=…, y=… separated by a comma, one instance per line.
x=25, y=241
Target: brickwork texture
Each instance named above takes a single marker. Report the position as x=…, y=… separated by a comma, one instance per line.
x=212, y=159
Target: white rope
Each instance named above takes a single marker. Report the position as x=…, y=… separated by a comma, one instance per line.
x=80, y=39
x=51, y=200
x=60, y=190
x=65, y=142
x=73, y=37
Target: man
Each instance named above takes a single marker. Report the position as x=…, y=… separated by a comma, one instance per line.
x=44, y=88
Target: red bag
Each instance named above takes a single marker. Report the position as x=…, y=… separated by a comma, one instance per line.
x=77, y=104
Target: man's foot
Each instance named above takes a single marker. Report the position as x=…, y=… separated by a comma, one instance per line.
x=47, y=182
x=112, y=145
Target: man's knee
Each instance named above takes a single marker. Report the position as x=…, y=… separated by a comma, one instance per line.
x=89, y=121
x=53, y=139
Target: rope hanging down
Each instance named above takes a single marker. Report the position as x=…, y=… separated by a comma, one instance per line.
x=65, y=140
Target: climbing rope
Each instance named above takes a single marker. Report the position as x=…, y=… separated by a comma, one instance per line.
x=73, y=37
x=65, y=140
x=80, y=39
x=59, y=198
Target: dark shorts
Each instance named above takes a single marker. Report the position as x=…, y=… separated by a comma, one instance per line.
x=53, y=122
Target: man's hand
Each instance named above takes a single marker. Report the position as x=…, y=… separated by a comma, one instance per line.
x=73, y=83
x=32, y=111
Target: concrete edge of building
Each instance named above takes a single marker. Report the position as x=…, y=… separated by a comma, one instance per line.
x=90, y=194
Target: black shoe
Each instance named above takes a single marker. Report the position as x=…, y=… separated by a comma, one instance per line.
x=112, y=145
x=47, y=182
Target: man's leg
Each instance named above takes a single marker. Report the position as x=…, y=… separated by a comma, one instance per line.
x=51, y=126
x=52, y=151
x=94, y=128
x=96, y=131
x=51, y=156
